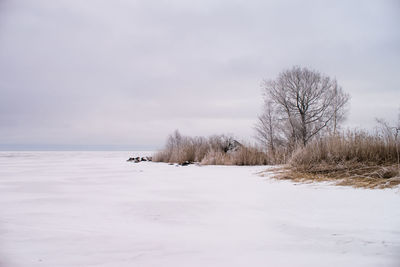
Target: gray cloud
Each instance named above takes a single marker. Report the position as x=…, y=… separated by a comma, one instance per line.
x=130, y=72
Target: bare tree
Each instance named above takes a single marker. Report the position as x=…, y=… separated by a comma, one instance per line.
x=306, y=103
x=340, y=101
x=266, y=126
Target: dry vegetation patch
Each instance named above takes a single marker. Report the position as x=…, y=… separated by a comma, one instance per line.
x=214, y=150
x=356, y=175
x=356, y=159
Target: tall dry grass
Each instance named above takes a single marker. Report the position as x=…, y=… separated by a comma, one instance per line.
x=352, y=147
x=356, y=158
x=245, y=155
x=214, y=150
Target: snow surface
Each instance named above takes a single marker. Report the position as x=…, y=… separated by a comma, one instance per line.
x=96, y=209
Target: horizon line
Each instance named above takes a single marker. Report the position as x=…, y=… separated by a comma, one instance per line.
x=59, y=147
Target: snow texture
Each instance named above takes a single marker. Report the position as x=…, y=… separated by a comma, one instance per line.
x=95, y=209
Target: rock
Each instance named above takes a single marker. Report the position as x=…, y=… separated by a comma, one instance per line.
x=140, y=159
x=233, y=146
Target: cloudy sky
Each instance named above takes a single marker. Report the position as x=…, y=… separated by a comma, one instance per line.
x=127, y=73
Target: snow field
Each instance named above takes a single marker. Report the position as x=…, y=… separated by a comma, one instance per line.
x=96, y=209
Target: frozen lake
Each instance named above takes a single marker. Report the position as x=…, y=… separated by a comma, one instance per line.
x=95, y=209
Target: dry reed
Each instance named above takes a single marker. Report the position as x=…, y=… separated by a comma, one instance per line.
x=215, y=150
x=358, y=159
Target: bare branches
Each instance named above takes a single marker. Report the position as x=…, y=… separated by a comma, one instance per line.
x=266, y=126
x=305, y=103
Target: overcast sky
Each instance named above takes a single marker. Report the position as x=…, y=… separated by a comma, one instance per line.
x=127, y=73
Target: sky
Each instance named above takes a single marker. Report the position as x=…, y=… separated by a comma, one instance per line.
x=119, y=74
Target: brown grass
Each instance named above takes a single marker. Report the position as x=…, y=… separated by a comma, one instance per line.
x=214, y=150
x=354, y=147
x=363, y=177
x=357, y=159
x=250, y=155
x=217, y=158
x=244, y=156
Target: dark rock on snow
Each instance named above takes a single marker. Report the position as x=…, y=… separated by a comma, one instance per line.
x=232, y=146
x=140, y=159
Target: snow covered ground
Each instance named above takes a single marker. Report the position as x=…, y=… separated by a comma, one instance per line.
x=95, y=209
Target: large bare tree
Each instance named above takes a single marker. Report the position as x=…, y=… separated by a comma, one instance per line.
x=306, y=103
